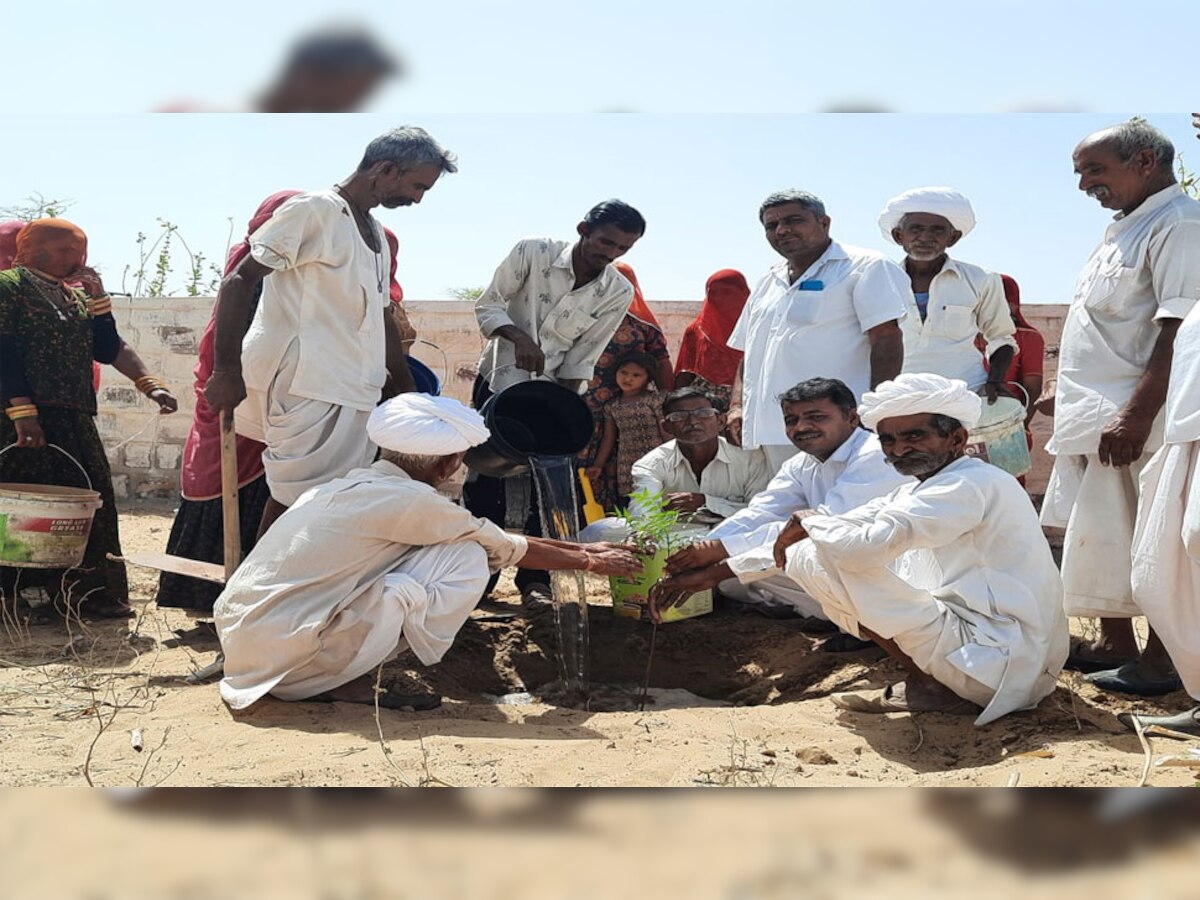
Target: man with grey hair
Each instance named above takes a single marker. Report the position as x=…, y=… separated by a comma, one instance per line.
x=827, y=310
x=1113, y=372
x=322, y=348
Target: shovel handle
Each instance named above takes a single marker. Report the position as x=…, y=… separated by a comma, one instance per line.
x=229, y=494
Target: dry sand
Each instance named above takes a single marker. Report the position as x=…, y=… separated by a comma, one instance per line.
x=71, y=694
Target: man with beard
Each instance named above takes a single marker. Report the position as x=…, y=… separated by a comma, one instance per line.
x=951, y=301
x=323, y=343
x=1114, y=370
x=840, y=466
x=699, y=473
x=950, y=575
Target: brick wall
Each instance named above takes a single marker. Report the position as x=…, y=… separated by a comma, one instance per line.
x=145, y=448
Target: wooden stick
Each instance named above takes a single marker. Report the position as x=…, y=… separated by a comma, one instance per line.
x=229, y=495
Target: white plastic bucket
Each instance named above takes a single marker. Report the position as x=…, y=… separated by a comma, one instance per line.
x=45, y=526
x=999, y=438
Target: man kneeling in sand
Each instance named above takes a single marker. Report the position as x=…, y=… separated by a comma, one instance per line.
x=973, y=610
x=373, y=563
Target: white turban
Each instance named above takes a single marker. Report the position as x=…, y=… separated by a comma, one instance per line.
x=919, y=392
x=426, y=426
x=936, y=201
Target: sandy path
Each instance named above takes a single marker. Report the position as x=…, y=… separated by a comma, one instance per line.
x=116, y=677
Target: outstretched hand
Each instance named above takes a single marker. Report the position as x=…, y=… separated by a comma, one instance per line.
x=699, y=555
x=611, y=559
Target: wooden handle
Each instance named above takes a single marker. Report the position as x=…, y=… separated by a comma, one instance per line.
x=229, y=494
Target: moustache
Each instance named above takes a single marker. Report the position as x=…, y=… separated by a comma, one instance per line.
x=917, y=462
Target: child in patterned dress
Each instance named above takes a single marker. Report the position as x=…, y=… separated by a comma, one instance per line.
x=632, y=422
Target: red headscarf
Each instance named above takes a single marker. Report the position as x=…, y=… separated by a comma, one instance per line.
x=704, y=350
x=261, y=216
x=395, y=291
x=639, y=309
x=1012, y=293
x=200, y=477
x=8, y=242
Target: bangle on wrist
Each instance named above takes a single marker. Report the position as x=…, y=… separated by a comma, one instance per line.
x=24, y=411
x=148, y=384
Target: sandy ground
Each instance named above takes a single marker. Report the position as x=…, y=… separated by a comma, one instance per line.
x=72, y=693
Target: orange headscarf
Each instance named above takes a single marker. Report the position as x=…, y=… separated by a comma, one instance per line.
x=42, y=233
x=639, y=309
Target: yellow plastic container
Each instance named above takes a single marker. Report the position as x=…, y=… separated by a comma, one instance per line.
x=630, y=594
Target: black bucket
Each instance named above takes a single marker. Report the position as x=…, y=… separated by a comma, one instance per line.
x=530, y=418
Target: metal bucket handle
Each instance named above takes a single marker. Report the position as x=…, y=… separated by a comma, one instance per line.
x=532, y=377
x=81, y=469
x=445, y=358
x=1019, y=387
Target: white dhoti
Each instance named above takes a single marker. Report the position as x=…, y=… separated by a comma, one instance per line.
x=309, y=442
x=1098, y=507
x=761, y=583
x=1166, y=556
x=966, y=652
x=294, y=653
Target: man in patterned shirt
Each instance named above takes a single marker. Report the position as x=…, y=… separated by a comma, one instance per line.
x=550, y=310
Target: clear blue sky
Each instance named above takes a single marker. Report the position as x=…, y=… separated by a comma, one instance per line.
x=697, y=178
x=650, y=55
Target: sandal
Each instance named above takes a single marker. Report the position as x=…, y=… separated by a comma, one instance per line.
x=1128, y=679
x=894, y=699
x=843, y=643
x=1079, y=661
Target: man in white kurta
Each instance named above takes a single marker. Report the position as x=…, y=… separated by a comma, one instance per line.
x=1113, y=372
x=549, y=312
x=840, y=466
x=951, y=302
x=314, y=361
x=1166, y=544
x=828, y=310
x=370, y=564
x=977, y=615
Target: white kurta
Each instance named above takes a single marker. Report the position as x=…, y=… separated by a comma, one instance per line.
x=853, y=474
x=354, y=567
x=983, y=615
x=964, y=301
x=534, y=289
x=1166, y=545
x=1146, y=270
x=314, y=357
x=790, y=335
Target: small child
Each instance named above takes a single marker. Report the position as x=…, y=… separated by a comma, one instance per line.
x=632, y=422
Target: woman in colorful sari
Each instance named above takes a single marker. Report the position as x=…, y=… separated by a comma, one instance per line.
x=50, y=333
x=638, y=333
x=705, y=360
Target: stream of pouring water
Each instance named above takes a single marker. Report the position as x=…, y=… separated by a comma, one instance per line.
x=554, y=477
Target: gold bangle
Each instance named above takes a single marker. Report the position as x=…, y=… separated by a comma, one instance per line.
x=23, y=414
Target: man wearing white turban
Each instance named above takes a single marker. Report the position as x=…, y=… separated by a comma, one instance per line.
x=951, y=302
x=951, y=575
x=372, y=563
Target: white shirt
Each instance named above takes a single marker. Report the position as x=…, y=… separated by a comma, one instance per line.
x=1182, y=410
x=328, y=294
x=728, y=482
x=534, y=289
x=332, y=547
x=994, y=573
x=1147, y=269
x=854, y=473
x=964, y=301
x=790, y=335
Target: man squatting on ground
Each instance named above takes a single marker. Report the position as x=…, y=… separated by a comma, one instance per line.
x=375, y=562
x=973, y=611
